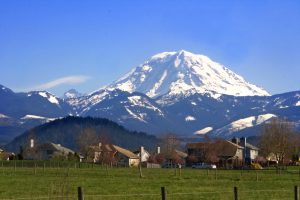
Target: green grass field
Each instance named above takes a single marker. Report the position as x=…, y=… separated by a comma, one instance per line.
x=53, y=182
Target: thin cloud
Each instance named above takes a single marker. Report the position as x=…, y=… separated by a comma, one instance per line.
x=68, y=80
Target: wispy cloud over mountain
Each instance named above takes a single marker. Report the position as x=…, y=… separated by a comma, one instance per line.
x=67, y=80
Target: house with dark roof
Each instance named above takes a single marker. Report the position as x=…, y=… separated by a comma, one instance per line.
x=222, y=152
x=46, y=151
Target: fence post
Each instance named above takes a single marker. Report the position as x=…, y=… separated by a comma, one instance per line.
x=296, y=192
x=34, y=168
x=235, y=193
x=163, y=193
x=216, y=174
x=256, y=176
x=80, y=193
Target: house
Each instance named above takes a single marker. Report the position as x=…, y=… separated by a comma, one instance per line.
x=6, y=155
x=46, y=151
x=222, y=152
x=113, y=154
x=250, y=151
x=145, y=154
x=174, y=158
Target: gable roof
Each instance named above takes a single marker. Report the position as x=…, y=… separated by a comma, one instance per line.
x=126, y=152
x=181, y=153
x=112, y=148
x=222, y=148
x=250, y=146
x=60, y=148
x=227, y=148
x=238, y=146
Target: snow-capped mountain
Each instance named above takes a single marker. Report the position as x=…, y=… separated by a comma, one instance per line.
x=20, y=111
x=71, y=94
x=183, y=72
x=177, y=92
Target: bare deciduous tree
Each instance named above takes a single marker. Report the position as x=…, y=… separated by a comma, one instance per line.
x=279, y=139
x=85, y=139
x=170, y=143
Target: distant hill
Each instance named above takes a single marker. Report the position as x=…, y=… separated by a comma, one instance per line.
x=66, y=132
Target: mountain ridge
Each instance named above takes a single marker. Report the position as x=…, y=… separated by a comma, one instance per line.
x=187, y=110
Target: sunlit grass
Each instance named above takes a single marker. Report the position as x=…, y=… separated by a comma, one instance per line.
x=124, y=183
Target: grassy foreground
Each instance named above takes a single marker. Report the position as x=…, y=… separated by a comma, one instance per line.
x=124, y=183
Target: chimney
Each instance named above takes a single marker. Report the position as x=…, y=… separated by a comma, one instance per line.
x=158, y=150
x=243, y=142
x=235, y=140
x=31, y=143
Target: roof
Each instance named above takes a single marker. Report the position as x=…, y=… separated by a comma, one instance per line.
x=111, y=147
x=202, y=144
x=5, y=155
x=223, y=148
x=250, y=146
x=180, y=153
x=197, y=145
x=125, y=152
x=58, y=147
x=238, y=146
x=227, y=148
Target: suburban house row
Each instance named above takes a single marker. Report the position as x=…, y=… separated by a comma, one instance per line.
x=224, y=153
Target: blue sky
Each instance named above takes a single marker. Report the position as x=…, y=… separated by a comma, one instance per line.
x=58, y=45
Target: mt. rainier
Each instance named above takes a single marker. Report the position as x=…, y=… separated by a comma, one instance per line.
x=180, y=72
x=176, y=92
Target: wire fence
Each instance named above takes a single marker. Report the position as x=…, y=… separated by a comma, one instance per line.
x=63, y=187
x=245, y=195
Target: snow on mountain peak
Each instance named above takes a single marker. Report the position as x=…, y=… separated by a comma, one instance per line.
x=71, y=94
x=51, y=98
x=181, y=72
x=244, y=123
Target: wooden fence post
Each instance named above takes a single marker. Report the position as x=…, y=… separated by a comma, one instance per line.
x=163, y=193
x=296, y=192
x=34, y=168
x=256, y=176
x=180, y=172
x=216, y=174
x=80, y=193
x=235, y=190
